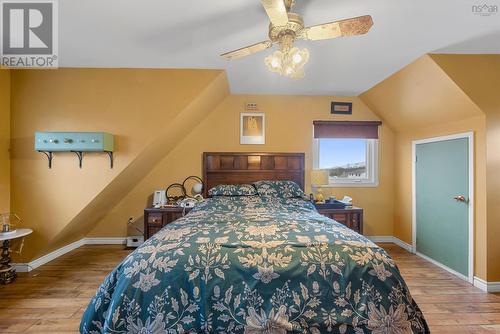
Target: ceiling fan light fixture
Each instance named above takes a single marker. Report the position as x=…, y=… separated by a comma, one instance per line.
x=275, y=63
x=289, y=63
x=286, y=27
x=299, y=57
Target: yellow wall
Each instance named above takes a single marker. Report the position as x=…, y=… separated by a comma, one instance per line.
x=493, y=192
x=479, y=77
x=164, y=119
x=419, y=95
x=403, y=177
x=140, y=107
x=421, y=101
x=4, y=141
x=288, y=129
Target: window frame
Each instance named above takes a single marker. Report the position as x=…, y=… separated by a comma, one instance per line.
x=372, y=166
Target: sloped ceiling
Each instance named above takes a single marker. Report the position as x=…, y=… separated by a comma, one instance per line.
x=437, y=90
x=477, y=75
x=192, y=34
x=419, y=95
x=147, y=110
x=179, y=126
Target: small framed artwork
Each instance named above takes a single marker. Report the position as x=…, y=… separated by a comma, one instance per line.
x=342, y=108
x=252, y=128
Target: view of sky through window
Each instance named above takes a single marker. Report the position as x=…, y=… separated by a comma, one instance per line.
x=341, y=152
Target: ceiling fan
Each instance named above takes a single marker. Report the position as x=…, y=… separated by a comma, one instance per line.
x=286, y=27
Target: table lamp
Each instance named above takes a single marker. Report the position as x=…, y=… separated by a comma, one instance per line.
x=319, y=177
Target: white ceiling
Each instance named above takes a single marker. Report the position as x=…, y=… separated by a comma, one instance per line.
x=191, y=34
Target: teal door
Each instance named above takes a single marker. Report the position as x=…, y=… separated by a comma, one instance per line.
x=441, y=177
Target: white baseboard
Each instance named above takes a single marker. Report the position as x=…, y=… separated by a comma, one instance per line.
x=486, y=286
x=403, y=244
x=386, y=239
x=27, y=267
x=105, y=241
x=393, y=240
x=478, y=282
x=442, y=266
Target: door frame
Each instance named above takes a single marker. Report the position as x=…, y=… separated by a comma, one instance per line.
x=470, y=137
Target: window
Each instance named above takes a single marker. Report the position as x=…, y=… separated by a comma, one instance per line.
x=348, y=152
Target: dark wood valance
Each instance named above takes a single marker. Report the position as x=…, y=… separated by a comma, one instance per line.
x=346, y=129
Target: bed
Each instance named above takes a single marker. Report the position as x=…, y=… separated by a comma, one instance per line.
x=254, y=264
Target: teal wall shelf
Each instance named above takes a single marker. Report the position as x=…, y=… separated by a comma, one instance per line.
x=76, y=142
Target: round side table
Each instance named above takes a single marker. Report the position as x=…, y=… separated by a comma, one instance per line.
x=7, y=271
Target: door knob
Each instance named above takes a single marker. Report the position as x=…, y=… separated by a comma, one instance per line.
x=461, y=198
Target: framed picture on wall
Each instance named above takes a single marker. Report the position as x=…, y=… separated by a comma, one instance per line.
x=252, y=128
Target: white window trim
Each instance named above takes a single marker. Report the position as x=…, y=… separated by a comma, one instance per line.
x=372, y=158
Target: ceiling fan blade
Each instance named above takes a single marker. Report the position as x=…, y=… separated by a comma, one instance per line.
x=276, y=11
x=350, y=27
x=248, y=50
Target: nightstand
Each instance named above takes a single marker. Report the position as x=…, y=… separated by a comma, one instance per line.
x=350, y=216
x=7, y=270
x=156, y=218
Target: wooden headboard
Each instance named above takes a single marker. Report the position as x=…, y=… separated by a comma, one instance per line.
x=238, y=168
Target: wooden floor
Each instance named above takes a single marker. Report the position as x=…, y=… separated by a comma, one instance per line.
x=52, y=298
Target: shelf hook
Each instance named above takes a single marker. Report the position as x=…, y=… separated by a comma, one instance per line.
x=79, y=154
x=49, y=156
x=111, y=160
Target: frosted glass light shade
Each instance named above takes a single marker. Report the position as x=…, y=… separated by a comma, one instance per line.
x=197, y=189
x=290, y=63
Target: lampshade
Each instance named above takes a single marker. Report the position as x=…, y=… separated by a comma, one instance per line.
x=197, y=189
x=192, y=185
x=319, y=177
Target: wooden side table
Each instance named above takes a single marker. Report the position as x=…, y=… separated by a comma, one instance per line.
x=156, y=218
x=351, y=217
x=7, y=271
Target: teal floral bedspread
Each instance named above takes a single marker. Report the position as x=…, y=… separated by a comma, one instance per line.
x=255, y=265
